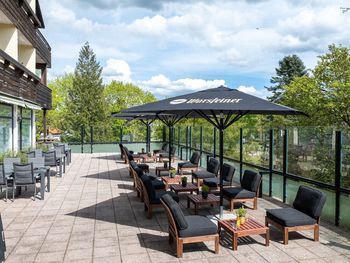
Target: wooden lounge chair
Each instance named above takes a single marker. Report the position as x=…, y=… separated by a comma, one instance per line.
x=212, y=171
x=188, y=229
x=304, y=215
x=191, y=165
x=151, y=197
x=227, y=172
x=248, y=191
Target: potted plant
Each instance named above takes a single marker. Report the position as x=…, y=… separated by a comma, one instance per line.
x=205, y=191
x=184, y=181
x=241, y=214
x=143, y=150
x=149, y=154
x=172, y=172
x=165, y=164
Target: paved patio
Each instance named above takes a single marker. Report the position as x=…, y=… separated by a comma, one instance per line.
x=92, y=214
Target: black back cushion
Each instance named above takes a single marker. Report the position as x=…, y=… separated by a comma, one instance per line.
x=139, y=171
x=227, y=172
x=250, y=180
x=195, y=158
x=213, y=166
x=149, y=188
x=176, y=211
x=309, y=201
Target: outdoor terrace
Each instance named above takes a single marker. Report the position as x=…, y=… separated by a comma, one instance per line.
x=92, y=214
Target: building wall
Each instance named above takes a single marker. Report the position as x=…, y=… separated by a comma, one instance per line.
x=27, y=57
x=9, y=40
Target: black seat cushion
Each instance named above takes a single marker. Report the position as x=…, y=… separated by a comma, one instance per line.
x=289, y=217
x=159, y=195
x=250, y=180
x=237, y=192
x=157, y=184
x=203, y=174
x=214, y=182
x=213, y=166
x=198, y=226
x=176, y=211
x=309, y=201
x=187, y=165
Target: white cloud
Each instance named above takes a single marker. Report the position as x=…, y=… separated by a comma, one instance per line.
x=162, y=86
x=118, y=70
x=253, y=91
x=68, y=69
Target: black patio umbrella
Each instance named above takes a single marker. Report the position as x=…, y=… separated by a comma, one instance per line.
x=220, y=106
x=146, y=119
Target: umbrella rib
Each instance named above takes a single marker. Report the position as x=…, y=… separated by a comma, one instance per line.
x=228, y=117
x=216, y=119
x=236, y=118
x=206, y=117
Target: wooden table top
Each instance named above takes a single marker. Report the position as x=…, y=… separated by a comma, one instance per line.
x=198, y=199
x=188, y=187
x=250, y=225
x=170, y=180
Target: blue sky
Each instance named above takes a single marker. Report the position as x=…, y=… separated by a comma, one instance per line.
x=176, y=46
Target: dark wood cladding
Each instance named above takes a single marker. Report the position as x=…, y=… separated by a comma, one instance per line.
x=25, y=23
x=17, y=81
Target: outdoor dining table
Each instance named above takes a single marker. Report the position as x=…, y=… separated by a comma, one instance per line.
x=43, y=172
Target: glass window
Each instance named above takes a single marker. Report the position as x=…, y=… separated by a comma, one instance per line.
x=5, y=128
x=25, y=130
x=26, y=113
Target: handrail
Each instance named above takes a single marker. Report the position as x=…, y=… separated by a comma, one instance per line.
x=43, y=39
x=30, y=12
x=18, y=66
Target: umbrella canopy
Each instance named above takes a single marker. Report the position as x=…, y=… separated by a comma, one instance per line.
x=220, y=106
x=214, y=101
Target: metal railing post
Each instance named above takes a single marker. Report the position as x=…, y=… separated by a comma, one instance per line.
x=186, y=142
x=214, y=150
x=121, y=135
x=338, y=174
x=285, y=164
x=240, y=153
x=91, y=139
x=178, y=140
x=82, y=138
x=271, y=154
x=190, y=142
x=200, y=144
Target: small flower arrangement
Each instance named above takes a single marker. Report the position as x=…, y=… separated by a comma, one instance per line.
x=184, y=181
x=205, y=191
x=172, y=172
x=241, y=214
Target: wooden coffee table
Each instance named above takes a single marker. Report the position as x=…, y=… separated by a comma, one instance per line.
x=178, y=188
x=170, y=181
x=146, y=158
x=198, y=200
x=249, y=228
x=160, y=169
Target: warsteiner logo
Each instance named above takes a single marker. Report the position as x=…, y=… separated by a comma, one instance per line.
x=209, y=101
x=179, y=101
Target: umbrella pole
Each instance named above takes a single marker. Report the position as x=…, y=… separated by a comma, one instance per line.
x=170, y=146
x=221, y=159
x=148, y=141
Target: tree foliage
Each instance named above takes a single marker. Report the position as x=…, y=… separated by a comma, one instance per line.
x=85, y=99
x=289, y=68
x=325, y=95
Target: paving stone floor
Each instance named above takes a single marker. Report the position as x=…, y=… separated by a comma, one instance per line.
x=92, y=214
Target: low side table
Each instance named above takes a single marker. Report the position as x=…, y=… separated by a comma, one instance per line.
x=178, y=188
x=160, y=169
x=249, y=228
x=198, y=200
x=170, y=181
x=146, y=158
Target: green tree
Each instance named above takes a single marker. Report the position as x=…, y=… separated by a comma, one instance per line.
x=325, y=95
x=289, y=68
x=86, y=102
x=55, y=117
x=120, y=96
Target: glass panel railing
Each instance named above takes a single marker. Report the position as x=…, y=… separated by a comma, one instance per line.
x=277, y=186
x=231, y=142
x=345, y=180
x=256, y=146
x=345, y=211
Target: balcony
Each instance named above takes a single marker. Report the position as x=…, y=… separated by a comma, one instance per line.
x=18, y=81
x=22, y=17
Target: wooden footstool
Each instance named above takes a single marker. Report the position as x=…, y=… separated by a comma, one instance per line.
x=198, y=200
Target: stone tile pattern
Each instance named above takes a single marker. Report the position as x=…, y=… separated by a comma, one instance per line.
x=92, y=214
